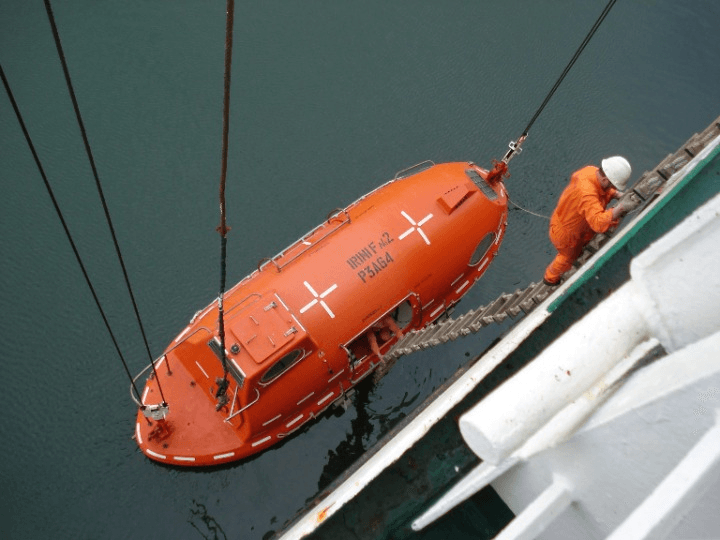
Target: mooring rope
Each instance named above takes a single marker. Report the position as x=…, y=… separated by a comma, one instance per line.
x=223, y=228
x=526, y=210
x=65, y=227
x=88, y=150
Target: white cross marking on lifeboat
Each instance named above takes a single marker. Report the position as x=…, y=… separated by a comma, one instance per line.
x=319, y=299
x=416, y=226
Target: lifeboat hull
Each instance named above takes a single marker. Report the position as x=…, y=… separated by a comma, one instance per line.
x=314, y=320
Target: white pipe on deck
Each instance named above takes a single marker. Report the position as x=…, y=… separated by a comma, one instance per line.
x=510, y=415
x=672, y=294
x=560, y=428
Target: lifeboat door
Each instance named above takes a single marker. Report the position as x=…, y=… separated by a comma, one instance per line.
x=384, y=329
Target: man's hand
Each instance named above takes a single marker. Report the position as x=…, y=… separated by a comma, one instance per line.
x=622, y=208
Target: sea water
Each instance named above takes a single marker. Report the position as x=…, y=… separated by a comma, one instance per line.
x=329, y=100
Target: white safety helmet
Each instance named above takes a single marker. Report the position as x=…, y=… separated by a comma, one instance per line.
x=617, y=169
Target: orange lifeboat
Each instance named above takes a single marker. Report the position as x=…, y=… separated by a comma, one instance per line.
x=311, y=322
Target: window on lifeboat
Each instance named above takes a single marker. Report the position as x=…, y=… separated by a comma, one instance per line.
x=482, y=249
x=403, y=314
x=282, y=365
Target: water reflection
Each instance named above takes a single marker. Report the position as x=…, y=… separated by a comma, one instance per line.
x=204, y=523
x=365, y=423
x=355, y=442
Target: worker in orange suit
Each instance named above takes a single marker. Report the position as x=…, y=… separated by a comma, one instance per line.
x=581, y=212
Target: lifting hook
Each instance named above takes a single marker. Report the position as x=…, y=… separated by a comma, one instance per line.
x=499, y=170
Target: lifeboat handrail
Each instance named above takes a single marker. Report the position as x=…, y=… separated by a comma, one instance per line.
x=132, y=395
x=184, y=339
x=424, y=164
x=241, y=302
x=164, y=355
x=233, y=415
x=274, y=259
x=234, y=399
x=398, y=175
x=264, y=261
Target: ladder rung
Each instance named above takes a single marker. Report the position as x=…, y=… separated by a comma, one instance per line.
x=495, y=307
x=453, y=331
x=410, y=338
x=429, y=334
x=478, y=321
x=529, y=304
x=515, y=308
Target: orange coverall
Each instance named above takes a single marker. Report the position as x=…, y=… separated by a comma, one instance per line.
x=580, y=214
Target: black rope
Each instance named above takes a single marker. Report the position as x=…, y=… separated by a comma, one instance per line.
x=65, y=227
x=223, y=229
x=579, y=51
x=88, y=150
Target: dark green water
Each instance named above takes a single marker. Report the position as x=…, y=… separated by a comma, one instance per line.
x=329, y=99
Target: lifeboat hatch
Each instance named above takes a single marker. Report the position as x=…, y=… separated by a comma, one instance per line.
x=263, y=328
x=384, y=331
x=452, y=199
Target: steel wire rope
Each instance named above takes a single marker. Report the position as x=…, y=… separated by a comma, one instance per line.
x=570, y=64
x=223, y=228
x=500, y=168
x=88, y=150
x=65, y=226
